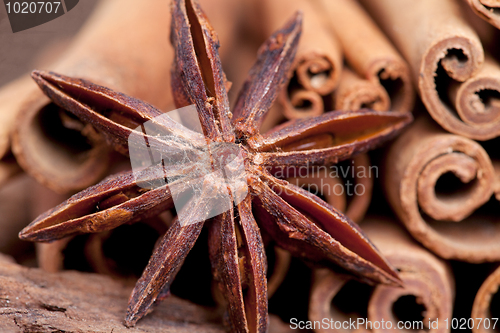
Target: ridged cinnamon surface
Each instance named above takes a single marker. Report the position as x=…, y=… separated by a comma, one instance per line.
x=443, y=221
x=458, y=87
x=370, y=53
x=426, y=278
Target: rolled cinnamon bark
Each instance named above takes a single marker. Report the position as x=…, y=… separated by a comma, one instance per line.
x=354, y=93
x=123, y=46
x=318, y=62
x=443, y=51
x=488, y=10
x=428, y=282
x=434, y=181
x=487, y=304
x=428, y=290
x=477, y=100
x=370, y=54
x=302, y=103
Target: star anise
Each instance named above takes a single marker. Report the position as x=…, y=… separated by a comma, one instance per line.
x=299, y=221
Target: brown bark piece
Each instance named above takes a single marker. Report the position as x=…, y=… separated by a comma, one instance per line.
x=369, y=52
x=488, y=10
x=443, y=52
x=415, y=163
x=34, y=301
x=355, y=92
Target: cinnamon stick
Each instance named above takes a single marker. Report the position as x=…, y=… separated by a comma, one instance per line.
x=318, y=62
x=488, y=10
x=420, y=168
x=370, y=54
x=486, y=304
x=428, y=286
x=302, y=103
x=477, y=100
x=354, y=93
x=428, y=281
x=443, y=51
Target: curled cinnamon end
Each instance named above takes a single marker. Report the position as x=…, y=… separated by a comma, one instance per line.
x=433, y=180
x=426, y=296
x=371, y=55
x=316, y=71
x=487, y=304
x=477, y=100
x=302, y=104
x=354, y=93
x=57, y=149
x=488, y=10
x=444, y=53
x=318, y=61
x=428, y=281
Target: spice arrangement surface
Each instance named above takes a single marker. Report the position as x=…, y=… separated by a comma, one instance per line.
x=250, y=166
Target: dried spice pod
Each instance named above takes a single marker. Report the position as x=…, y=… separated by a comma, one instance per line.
x=370, y=54
x=488, y=10
x=487, y=304
x=355, y=92
x=434, y=182
x=318, y=62
x=428, y=290
x=444, y=52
